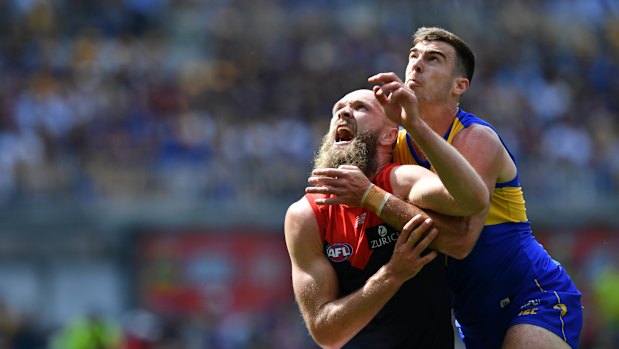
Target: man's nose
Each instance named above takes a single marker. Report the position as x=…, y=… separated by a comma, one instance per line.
x=417, y=65
x=344, y=113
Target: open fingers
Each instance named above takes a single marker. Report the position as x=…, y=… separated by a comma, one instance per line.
x=320, y=190
x=385, y=93
x=380, y=95
x=327, y=172
x=320, y=180
x=334, y=200
x=408, y=231
x=419, y=231
x=391, y=87
x=426, y=241
x=383, y=78
x=427, y=258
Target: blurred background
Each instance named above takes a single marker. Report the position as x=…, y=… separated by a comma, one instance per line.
x=150, y=148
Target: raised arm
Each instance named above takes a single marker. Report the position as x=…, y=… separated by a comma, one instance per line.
x=469, y=192
x=333, y=321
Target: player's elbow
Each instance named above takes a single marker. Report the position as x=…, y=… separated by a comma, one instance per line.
x=460, y=250
x=463, y=245
x=325, y=339
x=479, y=203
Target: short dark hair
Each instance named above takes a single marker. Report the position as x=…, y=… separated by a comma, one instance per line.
x=466, y=57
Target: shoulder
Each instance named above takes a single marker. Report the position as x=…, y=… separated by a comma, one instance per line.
x=473, y=126
x=299, y=213
x=477, y=135
x=301, y=231
x=301, y=221
x=481, y=145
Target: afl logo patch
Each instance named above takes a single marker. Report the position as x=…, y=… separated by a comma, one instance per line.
x=338, y=252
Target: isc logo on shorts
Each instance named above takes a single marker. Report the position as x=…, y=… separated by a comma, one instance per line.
x=338, y=252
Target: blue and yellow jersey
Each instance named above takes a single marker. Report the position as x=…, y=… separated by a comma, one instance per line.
x=488, y=285
x=507, y=203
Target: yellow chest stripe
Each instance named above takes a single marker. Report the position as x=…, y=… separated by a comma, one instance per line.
x=507, y=203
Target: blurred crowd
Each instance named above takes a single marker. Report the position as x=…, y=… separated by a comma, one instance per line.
x=137, y=99
x=227, y=99
x=141, y=329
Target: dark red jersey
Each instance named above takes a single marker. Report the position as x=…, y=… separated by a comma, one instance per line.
x=358, y=243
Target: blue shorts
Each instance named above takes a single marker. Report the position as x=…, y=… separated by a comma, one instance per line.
x=551, y=302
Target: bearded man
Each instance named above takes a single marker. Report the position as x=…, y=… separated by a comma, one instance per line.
x=360, y=282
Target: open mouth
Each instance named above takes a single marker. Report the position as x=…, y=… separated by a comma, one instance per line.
x=344, y=134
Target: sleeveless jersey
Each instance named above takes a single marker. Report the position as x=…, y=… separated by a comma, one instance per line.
x=489, y=284
x=358, y=243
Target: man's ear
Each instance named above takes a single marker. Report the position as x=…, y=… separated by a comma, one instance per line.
x=461, y=84
x=389, y=136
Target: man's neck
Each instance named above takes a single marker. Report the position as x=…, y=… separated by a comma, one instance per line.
x=382, y=161
x=439, y=117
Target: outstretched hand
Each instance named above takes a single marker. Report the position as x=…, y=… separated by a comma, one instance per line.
x=346, y=183
x=407, y=259
x=398, y=100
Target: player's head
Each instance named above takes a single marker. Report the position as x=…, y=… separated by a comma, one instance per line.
x=465, y=58
x=439, y=56
x=359, y=133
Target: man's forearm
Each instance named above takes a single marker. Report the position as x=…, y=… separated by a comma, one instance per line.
x=340, y=320
x=396, y=212
x=457, y=175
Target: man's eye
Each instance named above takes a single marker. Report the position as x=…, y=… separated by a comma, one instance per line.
x=362, y=107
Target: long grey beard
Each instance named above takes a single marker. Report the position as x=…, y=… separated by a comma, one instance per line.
x=360, y=153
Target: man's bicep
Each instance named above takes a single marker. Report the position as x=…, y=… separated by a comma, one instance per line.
x=424, y=189
x=419, y=186
x=314, y=286
x=313, y=278
x=483, y=149
x=430, y=193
